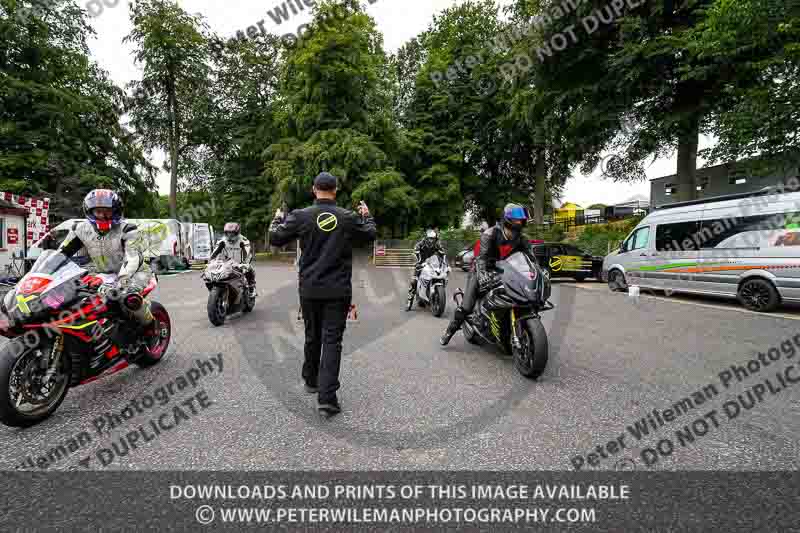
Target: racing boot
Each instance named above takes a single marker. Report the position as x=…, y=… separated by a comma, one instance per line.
x=454, y=326
x=412, y=289
x=251, y=282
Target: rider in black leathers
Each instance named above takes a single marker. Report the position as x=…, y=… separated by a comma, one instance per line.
x=497, y=242
x=424, y=249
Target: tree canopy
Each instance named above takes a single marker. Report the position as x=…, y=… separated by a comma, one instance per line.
x=485, y=106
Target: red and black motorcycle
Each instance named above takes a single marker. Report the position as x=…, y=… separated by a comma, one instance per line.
x=64, y=334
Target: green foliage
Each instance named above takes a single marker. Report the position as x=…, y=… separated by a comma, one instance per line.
x=337, y=113
x=171, y=101
x=60, y=130
x=596, y=238
x=250, y=123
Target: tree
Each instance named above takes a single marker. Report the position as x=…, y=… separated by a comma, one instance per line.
x=335, y=110
x=172, y=98
x=657, y=65
x=759, y=115
x=60, y=131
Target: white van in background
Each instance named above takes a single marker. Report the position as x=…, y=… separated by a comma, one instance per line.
x=160, y=241
x=198, y=241
x=739, y=246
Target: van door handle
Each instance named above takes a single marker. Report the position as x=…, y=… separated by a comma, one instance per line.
x=642, y=255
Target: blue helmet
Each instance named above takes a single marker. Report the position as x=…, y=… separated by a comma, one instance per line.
x=515, y=217
x=103, y=198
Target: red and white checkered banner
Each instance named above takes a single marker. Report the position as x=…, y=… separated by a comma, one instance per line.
x=38, y=217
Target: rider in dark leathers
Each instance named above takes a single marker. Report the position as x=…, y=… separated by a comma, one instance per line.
x=497, y=242
x=430, y=245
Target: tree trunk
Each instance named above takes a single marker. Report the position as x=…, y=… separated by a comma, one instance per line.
x=687, y=164
x=541, y=176
x=173, y=151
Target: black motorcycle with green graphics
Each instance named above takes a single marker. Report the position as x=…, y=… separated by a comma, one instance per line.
x=507, y=315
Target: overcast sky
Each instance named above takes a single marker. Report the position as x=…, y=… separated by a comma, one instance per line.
x=399, y=20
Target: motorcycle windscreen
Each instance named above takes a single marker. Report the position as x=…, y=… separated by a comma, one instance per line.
x=520, y=278
x=434, y=262
x=51, y=283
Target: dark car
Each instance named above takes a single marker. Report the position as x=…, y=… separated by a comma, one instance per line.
x=563, y=259
x=465, y=257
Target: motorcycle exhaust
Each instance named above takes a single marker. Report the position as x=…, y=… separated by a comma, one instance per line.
x=133, y=302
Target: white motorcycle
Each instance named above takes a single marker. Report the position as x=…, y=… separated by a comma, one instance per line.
x=431, y=286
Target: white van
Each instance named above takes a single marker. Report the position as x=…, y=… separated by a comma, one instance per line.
x=199, y=239
x=160, y=242
x=744, y=246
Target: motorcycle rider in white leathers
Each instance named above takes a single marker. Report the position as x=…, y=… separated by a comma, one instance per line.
x=111, y=244
x=236, y=247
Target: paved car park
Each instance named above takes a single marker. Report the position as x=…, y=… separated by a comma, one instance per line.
x=408, y=403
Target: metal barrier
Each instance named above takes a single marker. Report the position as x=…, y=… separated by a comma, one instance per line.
x=400, y=254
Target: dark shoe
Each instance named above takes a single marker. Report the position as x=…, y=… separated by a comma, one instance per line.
x=449, y=332
x=311, y=389
x=329, y=407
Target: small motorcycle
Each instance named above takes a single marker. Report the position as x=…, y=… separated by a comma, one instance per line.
x=508, y=314
x=430, y=289
x=64, y=334
x=228, y=290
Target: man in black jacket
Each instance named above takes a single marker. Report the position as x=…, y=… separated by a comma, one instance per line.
x=496, y=243
x=326, y=233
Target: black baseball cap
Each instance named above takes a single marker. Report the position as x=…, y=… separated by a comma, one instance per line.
x=325, y=181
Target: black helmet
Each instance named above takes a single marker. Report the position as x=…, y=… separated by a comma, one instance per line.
x=515, y=217
x=232, y=230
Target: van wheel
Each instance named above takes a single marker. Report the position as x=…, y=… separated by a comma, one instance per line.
x=758, y=295
x=616, y=281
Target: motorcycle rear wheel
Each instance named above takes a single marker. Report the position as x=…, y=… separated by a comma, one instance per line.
x=217, y=305
x=530, y=359
x=155, y=352
x=15, y=359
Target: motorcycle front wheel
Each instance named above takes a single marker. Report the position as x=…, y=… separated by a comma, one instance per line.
x=217, y=305
x=28, y=394
x=438, y=301
x=530, y=358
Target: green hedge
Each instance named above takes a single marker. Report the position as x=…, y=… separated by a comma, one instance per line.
x=596, y=237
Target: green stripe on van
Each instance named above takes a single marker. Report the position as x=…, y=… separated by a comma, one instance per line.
x=664, y=267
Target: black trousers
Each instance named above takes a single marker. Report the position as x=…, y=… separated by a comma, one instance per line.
x=325, y=322
x=470, y=293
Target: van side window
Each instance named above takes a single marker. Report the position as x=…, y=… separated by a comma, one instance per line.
x=680, y=236
x=641, y=238
x=721, y=231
